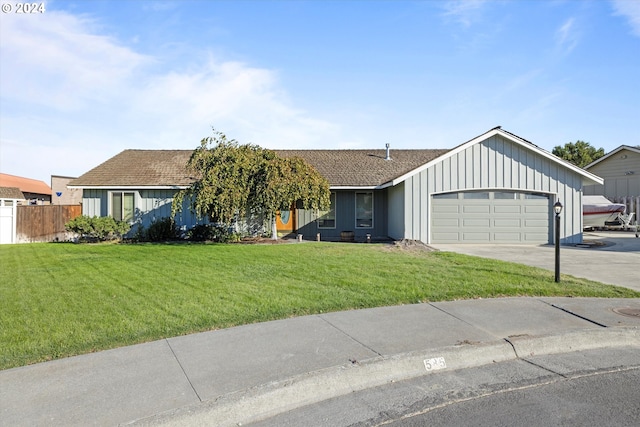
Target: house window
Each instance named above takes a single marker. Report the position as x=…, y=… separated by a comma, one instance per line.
x=504, y=195
x=535, y=196
x=327, y=219
x=122, y=206
x=364, y=210
x=474, y=195
x=446, y=196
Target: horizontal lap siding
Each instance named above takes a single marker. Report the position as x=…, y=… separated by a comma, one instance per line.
x=493, y=164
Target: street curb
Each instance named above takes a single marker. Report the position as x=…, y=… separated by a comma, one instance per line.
x=273, y=398
x=526, y=346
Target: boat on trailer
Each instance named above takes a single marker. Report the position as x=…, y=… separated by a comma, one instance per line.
x=598, y=212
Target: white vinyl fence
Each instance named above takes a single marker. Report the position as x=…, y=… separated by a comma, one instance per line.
x=8, y=208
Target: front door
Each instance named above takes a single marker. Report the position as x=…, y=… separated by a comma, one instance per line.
x=286, y=222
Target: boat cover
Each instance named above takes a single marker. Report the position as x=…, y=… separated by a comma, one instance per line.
x=599, y=205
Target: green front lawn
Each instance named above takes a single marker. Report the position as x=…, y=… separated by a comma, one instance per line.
x=64, y=299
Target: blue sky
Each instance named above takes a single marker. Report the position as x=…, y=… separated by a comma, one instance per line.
x=87, y=79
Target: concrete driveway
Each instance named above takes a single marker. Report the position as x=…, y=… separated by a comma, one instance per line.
x=611, y=257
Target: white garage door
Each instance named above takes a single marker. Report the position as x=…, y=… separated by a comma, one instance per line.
x=490, y=217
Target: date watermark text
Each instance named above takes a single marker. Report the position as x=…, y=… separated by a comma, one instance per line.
x=24, y=8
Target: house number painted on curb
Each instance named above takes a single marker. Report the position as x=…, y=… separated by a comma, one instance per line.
x=435, y=363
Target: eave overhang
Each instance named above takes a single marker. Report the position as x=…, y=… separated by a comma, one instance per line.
x=128, y=187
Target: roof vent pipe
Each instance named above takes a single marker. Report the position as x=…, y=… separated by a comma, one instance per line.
x=387, y=157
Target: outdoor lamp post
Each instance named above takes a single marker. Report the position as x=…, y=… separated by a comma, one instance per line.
x=557, y=208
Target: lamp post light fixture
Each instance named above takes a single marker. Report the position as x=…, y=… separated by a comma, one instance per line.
x=557, y=209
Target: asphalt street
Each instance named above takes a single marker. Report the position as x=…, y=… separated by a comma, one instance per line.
x=583, y=388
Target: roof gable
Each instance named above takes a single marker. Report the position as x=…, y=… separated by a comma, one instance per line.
x=615, y=151
x=586, y=176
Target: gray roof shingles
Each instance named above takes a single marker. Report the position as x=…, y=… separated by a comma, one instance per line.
x=137, y=168
x=11, y=193
x=363, y=168
x=348, y=168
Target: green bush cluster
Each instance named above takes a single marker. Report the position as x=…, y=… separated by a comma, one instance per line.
x=212, y=233
x=160, y=230
x=97, y=228
x=91, y=229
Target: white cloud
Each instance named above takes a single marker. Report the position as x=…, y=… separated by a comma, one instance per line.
x=245, y=102
x=567, y=36
x=630, y=9
x=53, y=59
x=465, y=12
x=71, y=98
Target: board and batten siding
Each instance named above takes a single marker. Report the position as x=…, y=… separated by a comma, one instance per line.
x=346, y=217
x=150, y=205
x=621, y=173
x=396, y=211
x=94, y=203
x=493, y=164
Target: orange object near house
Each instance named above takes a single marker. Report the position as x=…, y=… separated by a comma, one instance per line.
x=286, y=221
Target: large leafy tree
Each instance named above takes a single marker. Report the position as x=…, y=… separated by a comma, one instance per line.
x=579, y=153
x=234, y=180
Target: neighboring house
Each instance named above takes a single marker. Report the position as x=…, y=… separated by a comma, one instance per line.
x=61, y=195
x=620, y=170
x=35, y=192
x=495, y=188
x=11, y=194
x=10, y=197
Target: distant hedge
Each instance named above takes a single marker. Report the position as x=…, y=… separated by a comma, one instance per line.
x=97, y=228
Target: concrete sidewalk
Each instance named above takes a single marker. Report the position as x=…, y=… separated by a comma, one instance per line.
x=238, y=375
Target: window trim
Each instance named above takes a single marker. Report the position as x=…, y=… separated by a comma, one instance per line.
x=333, y=208
x=372, y=209
x=122, y=214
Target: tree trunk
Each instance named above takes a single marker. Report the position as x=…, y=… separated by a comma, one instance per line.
x=274, y=229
